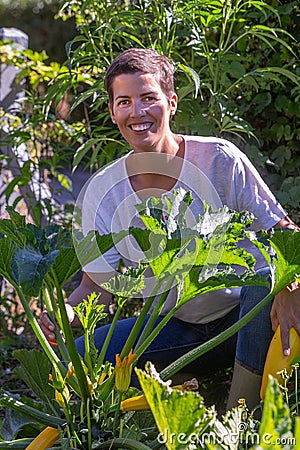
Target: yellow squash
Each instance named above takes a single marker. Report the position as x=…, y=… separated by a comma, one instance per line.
x=276, y=361
x=45, y=439
x=139, y=403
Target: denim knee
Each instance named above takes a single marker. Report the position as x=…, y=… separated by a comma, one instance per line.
x=254, y=338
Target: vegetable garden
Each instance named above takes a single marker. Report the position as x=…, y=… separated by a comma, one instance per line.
x=237, y=76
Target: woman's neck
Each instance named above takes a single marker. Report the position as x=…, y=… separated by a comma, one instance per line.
x=153, y=173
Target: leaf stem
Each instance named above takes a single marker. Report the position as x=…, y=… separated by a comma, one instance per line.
x=108, y=338
x=37, y=330
x=74, y=355
x=11, y=402
x=117, y=413
x=148, y=334
x=51, y=308
x=139, y=323
x=189, y=357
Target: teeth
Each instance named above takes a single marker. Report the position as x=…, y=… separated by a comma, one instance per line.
x=140, y=127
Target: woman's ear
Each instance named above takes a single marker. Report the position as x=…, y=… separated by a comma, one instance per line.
x=173, y=104
x=112, y=116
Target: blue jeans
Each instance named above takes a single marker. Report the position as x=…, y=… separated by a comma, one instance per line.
x=177, y=338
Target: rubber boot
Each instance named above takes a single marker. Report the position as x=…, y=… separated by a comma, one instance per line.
x=245, y=384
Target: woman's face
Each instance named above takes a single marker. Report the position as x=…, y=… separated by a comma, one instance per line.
x=142, y=111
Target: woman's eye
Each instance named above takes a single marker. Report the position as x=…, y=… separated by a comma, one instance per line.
x=123, y=102
x=149, y=99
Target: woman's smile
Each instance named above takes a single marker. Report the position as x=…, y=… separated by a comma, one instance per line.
x=141, y=126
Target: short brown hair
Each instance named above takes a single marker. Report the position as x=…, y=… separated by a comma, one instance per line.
x=141, y=60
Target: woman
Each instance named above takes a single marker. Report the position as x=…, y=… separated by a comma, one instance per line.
x=142, y=100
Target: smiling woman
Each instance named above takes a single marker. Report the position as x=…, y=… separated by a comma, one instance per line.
x=161, y=163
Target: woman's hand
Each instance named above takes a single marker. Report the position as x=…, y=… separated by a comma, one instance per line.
x=286, y=312
x=48, y=326
x=86, y=287
x=286, y=305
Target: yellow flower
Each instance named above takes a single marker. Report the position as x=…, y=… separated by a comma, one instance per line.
x=71, y=370
x=102, y=378
x=57, y=379
x=61, y=397
x=123, y=371
x=135, y=404
x=90, y=385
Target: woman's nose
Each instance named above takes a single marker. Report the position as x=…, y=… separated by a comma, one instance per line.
x=137, y=109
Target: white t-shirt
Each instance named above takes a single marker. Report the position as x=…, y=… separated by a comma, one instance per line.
x=215, y=171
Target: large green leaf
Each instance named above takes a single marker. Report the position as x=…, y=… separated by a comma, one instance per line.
x=66, y=265
x=202, y=280
x=199, y=254
x=262, y=241
x=154, y=243
x=229, y=432
x=172, y=248
x=43, y=240
x=93, y=245
x=126, y=285
x=151, y=211
x=7, y=249
x=36, y=251
x=34, y=371
x=167, y=215
x=176, y=259
x=287, y=258
x=172, y=257
x=12, y=423
x=17, y=219
x=181, y=416
x=31, y=268
x=8, y=228
x=9, y=401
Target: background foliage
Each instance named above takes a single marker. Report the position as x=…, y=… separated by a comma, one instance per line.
x=237, y=73
x=237, y=76
x=37, y=20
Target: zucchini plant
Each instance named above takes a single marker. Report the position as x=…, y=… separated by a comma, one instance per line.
x=82, y=397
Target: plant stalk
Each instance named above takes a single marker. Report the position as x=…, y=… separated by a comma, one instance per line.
x=139, y=323
x=152, y=319
x=11, y=402
x=75, y=358
x=189, y=357
x=52, y=312
x=107, y=339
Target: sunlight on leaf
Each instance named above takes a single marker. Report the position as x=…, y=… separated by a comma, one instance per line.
x=127, y=284
x=287, y=259
x=181, y=416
